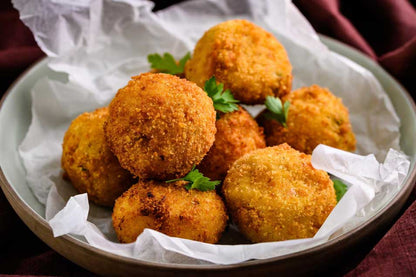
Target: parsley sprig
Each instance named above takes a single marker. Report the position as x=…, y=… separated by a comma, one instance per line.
x=340, y=189
x=196, y=180
x=224, y=101
x=276, y=110
x=168, y=64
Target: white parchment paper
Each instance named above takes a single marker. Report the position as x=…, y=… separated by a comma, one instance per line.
x=100, y=44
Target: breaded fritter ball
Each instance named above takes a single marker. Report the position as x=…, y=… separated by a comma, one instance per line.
x=160, y=126
x=245, y=58
x=315, y=117
x=88, y=162
x=237, y=134
x=170, y=209
x=275, y=194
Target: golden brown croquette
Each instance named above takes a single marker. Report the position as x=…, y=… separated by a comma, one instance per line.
x=160, y=126
x=88, y=162
x=170, y=209
x=237, y=134
x=245, y=58
x=315, y=117
x=275, y=194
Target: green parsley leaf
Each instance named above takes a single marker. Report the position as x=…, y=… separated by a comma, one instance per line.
x=224, y=101
x=196, y=180
x=340, y=189
x=167, y=64
x=277, y=111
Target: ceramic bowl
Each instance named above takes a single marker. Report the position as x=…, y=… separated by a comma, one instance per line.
x=15, y=118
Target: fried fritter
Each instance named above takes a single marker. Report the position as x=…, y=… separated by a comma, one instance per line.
x=237, y=134
x=160, y=126
x=275, y=194
x=88, y=162
x=170, y=209
x=315, y=117
x=245, y=58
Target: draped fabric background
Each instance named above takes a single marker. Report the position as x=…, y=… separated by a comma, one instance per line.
x=385, y=30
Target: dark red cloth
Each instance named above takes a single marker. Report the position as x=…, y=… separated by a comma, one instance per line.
x=18, y=49
x=395, y=254
x=383, y=29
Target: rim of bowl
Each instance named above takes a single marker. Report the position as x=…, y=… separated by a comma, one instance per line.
x=407, y=187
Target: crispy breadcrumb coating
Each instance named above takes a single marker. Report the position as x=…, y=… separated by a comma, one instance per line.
x=315, y=117
x=88, y=162
x=170, y=209
x=160, y=126
x=275, y=194
x=245, y=58
x=237, y=134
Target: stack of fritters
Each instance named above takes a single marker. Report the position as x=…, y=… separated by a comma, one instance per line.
x=160, y=127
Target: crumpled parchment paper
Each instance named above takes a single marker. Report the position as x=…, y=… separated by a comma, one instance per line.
x=100, y=44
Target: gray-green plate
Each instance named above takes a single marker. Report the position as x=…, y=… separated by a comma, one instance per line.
x=15, y=117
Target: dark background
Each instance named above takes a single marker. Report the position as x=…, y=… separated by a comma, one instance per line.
x=385, y=30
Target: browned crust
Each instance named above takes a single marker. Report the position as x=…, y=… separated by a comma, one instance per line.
x=170, y=209
x=245, y=58
x=237, y=134
x=160, y=126
x=88, y=162
x=315, y=117
x=275, y=194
